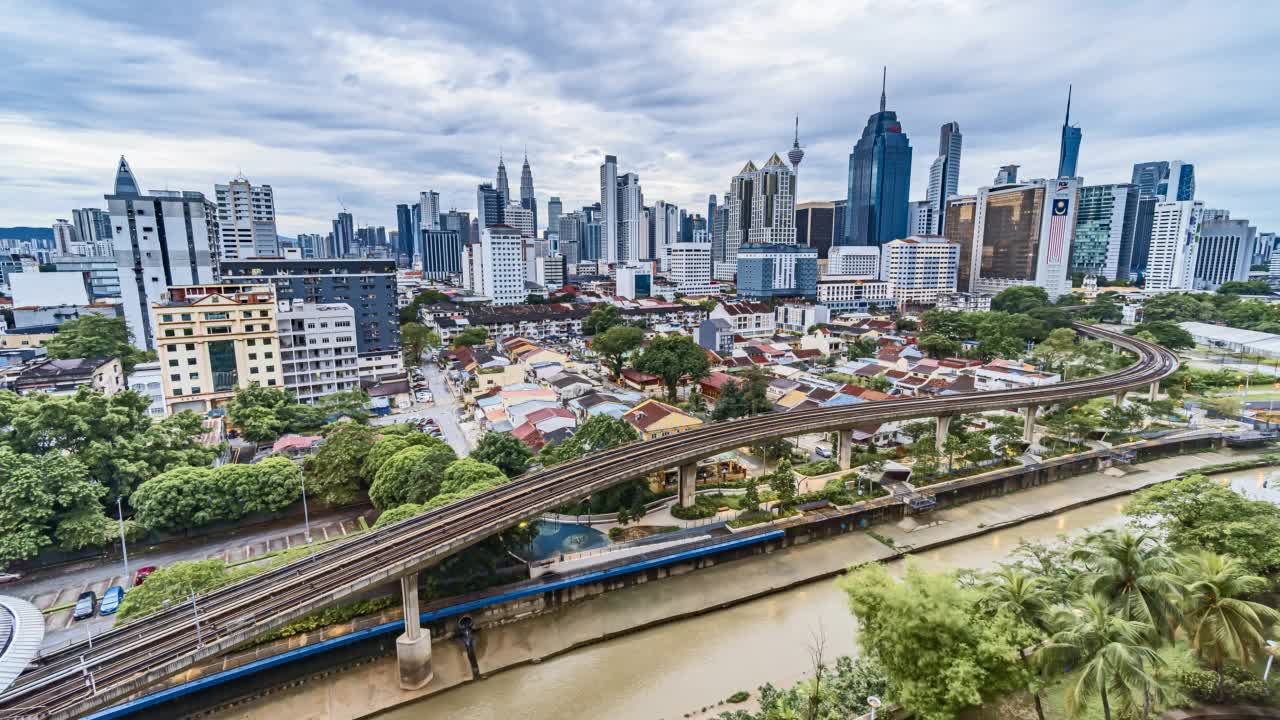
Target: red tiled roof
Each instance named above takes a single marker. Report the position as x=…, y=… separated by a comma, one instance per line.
x=810, y=353
x=639, y=377
x=646, y=414
x=717, y=380
x=874, y=395
x=538, y=416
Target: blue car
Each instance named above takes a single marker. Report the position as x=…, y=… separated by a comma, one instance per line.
x=111, y=600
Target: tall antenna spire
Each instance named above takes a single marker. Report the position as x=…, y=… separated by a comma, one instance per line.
x=884, y=79
x=796, y=154
x=796, y=142
x=1068, y=120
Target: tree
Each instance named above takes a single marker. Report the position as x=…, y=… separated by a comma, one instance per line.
x=1105, y=309
x=1244, y=287
x=398, y=514
x=600, y=432
x=470, y=337
x=1177, y=307
x=1024, y=598
x=1053, y=317
x=96, y=336
x=697, y=403
x=673, y=357
x=940, y=650
x=1221, y=624
x=1122, y=418
x=783, y=483
x=1133, y=573
x=746, y=396
x=938, y=346
x=1019, y=299
x=1165, y=333
x=504, y=451
x=263, y=487
x=335, y=473
x=415, y=338
x=352, y=404
x=470, y=476
x=906, y=325
x=951, y=324
x=412, y=475
x=174, y=584
x=188, y=497
x=861, y=347
x=387, y=446
x=602, y=317
x=38, y=493
x=1056, y=349
x=614, y=344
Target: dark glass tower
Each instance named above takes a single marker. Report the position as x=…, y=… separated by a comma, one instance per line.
x=879, y=181
x=528, y=200
x=405, y=232
x=1069, y=150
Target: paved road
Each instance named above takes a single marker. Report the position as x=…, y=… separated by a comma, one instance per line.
x=444, y=411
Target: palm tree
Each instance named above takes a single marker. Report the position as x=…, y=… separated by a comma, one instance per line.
x=1112, y=652
x=1025, y=597
x=1220, y=624
x=1132, y=572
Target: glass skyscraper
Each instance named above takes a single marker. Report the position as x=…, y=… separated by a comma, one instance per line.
x=879, y=181
x=405, y=232
x=1069, y=150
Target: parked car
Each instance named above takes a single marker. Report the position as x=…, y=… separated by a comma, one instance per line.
x=823, y=452
x=142, y=574
x=10, y=577
x=84, y=605
x=111, y=600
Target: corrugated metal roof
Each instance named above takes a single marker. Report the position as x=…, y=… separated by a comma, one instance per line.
x=21, y=632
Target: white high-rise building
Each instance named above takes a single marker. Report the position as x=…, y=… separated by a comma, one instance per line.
x=318, y=354
x=944, y=175
x=1226, y=252
x=634, y=281
x=691, y=267
x=1175, y=245
x=429, y=209
x=65, y=237
x=609, y=217
x=633, y=229
x=854, y=260
x=920, y=217
x=762, y=207
x=494, y=267
x=148, y=267
x=246, y=220
x=919, y=270
x=666, y=231
x=520, y=218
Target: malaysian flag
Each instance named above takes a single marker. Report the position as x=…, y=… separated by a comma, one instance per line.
x=1058, y=231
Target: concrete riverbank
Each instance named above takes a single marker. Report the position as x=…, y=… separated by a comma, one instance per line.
x=372, y=687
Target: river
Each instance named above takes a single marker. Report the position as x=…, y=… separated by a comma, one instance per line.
x=673, y=669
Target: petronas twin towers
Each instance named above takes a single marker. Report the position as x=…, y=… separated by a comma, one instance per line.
x=528, y=200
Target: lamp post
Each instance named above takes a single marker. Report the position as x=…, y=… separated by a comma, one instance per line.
x=124, y=550
x=1272, y=648
x=306, y=516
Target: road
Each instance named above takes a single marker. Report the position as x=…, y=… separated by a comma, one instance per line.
x=444, y=410
x=129, y=658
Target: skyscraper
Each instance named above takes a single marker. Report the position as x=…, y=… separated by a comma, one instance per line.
x=1226, y=252
x=816, y=225
x=528, y=200
x=166, y=238
x=406, y=233
x=429, y=202
x=489, y=206
x=1147, y=176
x=1175, y=245
x=65, y=238
x=944, y=176
x=609, y=217
x=246, y=219
x=93, y=227
x=503, y=188
x=666, y=231
x=1008, y=175
x=441, y=253
x=711, y=212
x=879, y=180
x=554, y=210
x=1069, y=149
x=632, y=228
x=1104, y=230
x=762, y=207
x=1021, y=236
x=1179, y=183
x=344, y=235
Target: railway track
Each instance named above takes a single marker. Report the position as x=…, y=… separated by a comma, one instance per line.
x=79, y=679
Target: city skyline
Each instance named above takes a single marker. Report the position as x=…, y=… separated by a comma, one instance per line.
x=682, y=137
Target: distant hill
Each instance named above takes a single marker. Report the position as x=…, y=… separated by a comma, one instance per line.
x=26, y=233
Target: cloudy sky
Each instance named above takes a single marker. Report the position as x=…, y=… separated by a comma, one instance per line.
x=372, y=102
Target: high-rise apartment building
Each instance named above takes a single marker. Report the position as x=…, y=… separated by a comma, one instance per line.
x=920, y=270
x=489, y=206
x=854, y=261
x=691, y=268
x=213, y=340
x=65, y=238
x=879, y=181
x=609, y=215
x=1226, y=251
x=1105, y=222
x=344, y=236
x=666, y=231
x=816, y=226
x=93, y=228
x=406, y=233
x=1069, y=148
x=1022, y=235
x=520, y=218
x=528, y=200
x=633, y=230
x=494, y=267
x=429, y=210
x=163, y=239
x=920, y=219
x=777, y=270
x=762, y=207
x=246, y=219
x=944, y=176
x=318, y=355
x=1175, y=245
x=367, y=285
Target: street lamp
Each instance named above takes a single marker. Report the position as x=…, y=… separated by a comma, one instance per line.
x=873, y=702
x=306, y=516
x=1272, y=648
x=124, y=550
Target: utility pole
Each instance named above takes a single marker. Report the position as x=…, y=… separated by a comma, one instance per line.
x=124, y=550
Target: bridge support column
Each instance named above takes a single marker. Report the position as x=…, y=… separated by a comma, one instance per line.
x=413, y=648
x=940, y=437
x=1029, y=424
x=1153, y=393
x=688, y=481
x=845, y=440
x=1120, y=397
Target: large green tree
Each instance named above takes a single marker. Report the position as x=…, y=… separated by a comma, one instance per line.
x=602, y=317
x=387, y=446
x=674, y=357
x=1222, y=623
x=38, y=493
x=95, y=336
x=504, y=451
x=1020, y=299
x=175, y=584
x=412, y=475
x=601, y=432
x=1167, y=334
x=615, y=343
x=470, y=337
x=415, y=338
x=335, y=473
x=469, y=475
x=188, y=497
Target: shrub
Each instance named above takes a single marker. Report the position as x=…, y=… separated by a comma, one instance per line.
x=1238, y=686
x=739, y=697
x=821, y=467
x=703, y=507
x=615, y=533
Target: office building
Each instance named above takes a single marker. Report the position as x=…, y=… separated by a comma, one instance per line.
x=854, y=261
x=609, y=214
x=495, y=266
x=65, y=238
x=93, y=230
x=879, y=180
x=633, y=230
x=1175, y=245
x=1007, y=175
x=1168, y=180
x=441, y=254
x=944, y=177
x=690, y=268
x=101, y=274
x=920, y=219
x=816, y=226
x=246, y=220
x=1226, y=251
x=920, y=270
x=343, y=241
x=777, y=270
x=550, y=271
x=1105, y=221
x=213, y=340
x=489, y=206
x=635, y=281
x=318, y=354
x=762, y=207
x=162, y=239
x=519, y=218
x=666, y=230
x=406, y=234
x=554, y=210
x=1021, y=236
x=855, y=294
x=720, y=233
x=1069, y=147
x=367, y=285
x=429, y=210
x=528, y=200
x=568, y=230
x=711, y=213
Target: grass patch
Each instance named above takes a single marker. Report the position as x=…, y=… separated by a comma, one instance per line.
x=1247, y=464
x=705, y=506
x=821, y=467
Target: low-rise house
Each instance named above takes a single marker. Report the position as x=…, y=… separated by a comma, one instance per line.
x=392, y=389
x=641, y=381
x=717, y=334
x=595, y=403
x=749, y=319
x=553, y=418
x=497, y=377
x=1011, y=374
x=568, y=386
x=713, y=385
x=64, y=377
x=654, y=419
x=296, y=446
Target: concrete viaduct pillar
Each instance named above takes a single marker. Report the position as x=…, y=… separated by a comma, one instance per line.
x=1120, y=397
x=940, y=437
x=1153, y=393
x=413, y=648
x=1029, y=424
x=844, y=438
x=688, y=479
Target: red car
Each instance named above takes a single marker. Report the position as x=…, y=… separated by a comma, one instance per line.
x=142, y=574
